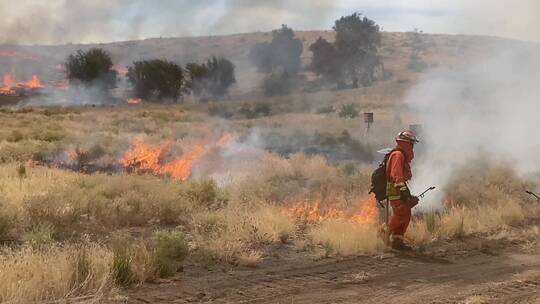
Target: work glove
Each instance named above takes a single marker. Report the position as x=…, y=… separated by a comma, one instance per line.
x=413, y=200
x=404, y=193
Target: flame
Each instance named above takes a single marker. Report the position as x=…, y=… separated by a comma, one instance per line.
x=34, y=83
x=364, y=211
x=10, y=84
x=144, y=158
x=134, y=100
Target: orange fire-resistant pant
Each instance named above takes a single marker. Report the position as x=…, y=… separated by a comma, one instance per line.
x=401, y=217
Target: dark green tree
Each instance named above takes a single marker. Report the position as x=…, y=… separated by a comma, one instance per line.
x=211, y=79
x=156, y=79
x=283, y=51
x=354, y=54
x=92, y=67
x=325, y=61
x=357, y=42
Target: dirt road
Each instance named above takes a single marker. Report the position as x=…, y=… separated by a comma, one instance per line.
x=509, y=275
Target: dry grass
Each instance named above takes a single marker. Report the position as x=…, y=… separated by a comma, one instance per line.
x=345, y=238
x=55, y=273
x=459, y=222
x=249, y=259
x=230, y=234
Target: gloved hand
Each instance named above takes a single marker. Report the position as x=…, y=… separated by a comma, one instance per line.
x=413, y=200
x=404, y=194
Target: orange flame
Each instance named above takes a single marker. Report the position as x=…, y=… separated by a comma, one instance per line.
x=9, y=84
x=144, y=158
x=34, y=83
x=364, y=211
x=134, y=100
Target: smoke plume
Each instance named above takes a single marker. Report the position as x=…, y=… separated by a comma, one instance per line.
x=489, y=108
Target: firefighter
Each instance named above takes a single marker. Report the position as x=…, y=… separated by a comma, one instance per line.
x=398, y=171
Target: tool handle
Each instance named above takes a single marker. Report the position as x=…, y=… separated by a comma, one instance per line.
x=533, y=194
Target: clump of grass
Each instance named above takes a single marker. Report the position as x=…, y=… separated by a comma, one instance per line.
x=40, y=236
x=345, y=238
x=171, y=250
x=249, y=259
x=233, y=232
x=122, y=261
x=55, y=273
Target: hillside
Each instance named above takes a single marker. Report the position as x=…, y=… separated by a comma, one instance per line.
x=396, y=51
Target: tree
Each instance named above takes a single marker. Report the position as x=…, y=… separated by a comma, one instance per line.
x=283, y=51
x=197, y=78
x=213, y=78
x=220, y=75
x=357, y=42
x=325, y=60
x=353, y=55
x=156, y=79
x=92, y=67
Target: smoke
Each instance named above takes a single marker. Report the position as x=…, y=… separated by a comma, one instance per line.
x=489, y=108
x=79, y=21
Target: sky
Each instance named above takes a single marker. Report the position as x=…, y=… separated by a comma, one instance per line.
x=90, y=21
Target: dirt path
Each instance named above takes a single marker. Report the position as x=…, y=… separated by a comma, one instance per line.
x=509, y=276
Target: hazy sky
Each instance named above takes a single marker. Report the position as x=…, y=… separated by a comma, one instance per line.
x=61, y=21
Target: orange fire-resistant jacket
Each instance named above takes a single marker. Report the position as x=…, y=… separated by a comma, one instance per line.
x=398, y=171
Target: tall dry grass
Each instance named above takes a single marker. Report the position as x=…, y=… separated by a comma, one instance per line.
x=345, y=238
x=484, y=198
x=55, y=273
x=232, y=234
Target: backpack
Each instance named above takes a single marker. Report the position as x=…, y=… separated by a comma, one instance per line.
x=379, y=179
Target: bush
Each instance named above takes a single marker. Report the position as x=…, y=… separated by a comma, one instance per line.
x=39, y=236
x=254, y=111
x=171, y=250
x=92, y=67
x=278, y=82
x=348, y=111
x=203, y=194
x=156, y=79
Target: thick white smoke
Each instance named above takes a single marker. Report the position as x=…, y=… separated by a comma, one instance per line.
x=491, y=107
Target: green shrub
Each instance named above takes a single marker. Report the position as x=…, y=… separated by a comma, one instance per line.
x=171, y=250
x=203, y=193
x=348, y=111
x=40, y=236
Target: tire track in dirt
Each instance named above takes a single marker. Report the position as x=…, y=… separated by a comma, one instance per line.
x=391, y=279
